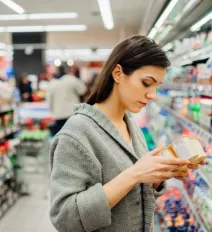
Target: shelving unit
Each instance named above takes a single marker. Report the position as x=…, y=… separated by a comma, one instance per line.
x=205, y=178
x=189, y=57
x=205, y=90
x=188, y=124
x=8, y=132
x=191, y=206
x=7, y=108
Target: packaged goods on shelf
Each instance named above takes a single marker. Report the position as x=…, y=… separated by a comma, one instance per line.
x=8, y=184
x=6, y=95
x=174, y=212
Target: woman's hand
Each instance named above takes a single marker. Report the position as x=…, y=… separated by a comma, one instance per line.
x=196, y=166
x=153, y=169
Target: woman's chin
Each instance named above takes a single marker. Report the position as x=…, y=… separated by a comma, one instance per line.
x=135, y=109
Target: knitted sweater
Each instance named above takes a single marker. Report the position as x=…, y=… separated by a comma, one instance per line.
x=86, y=154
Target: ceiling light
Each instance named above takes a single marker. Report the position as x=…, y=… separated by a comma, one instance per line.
x=106, y=13
x=43, y=28
x=168, y=46
x=165, y=13
x=70, y=15
x=65, y=28
x=152, y=33
x=191, y=4
x=13, y=6
x=25, y=29
x=165, y=32
x=2, y=46
x=39, y=16
x=57, y=62
x=13, y=17
x=162, y=18
x=70, y=62
x=199, y=24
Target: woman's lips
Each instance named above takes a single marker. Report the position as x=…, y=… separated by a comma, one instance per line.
x=144, y=104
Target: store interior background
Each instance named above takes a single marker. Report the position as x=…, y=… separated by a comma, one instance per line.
x=38, y=37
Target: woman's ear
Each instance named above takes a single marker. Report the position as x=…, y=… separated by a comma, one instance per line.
x=117, y=73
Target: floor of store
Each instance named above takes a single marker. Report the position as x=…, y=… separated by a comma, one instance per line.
x=30, y=213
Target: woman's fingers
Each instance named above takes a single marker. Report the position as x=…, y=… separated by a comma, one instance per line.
x=172, y=161
x=169, y=167
x=156, y=151
x=173, y=174
x=203, y=162
x=193, y=166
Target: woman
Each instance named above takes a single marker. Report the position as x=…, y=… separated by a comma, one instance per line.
x=103, y=177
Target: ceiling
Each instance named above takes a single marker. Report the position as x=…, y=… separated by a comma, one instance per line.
x=130, y=17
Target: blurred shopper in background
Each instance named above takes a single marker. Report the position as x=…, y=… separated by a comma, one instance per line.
x=62, y=95
x=25, y=88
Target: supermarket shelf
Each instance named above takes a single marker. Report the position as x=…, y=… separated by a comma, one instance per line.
x=191, y=206
x=6, y=108
x=188, y=124
x=5, y=178
x=15, y=196
x=205, y=90
x=8, y=131
x=192, y=56
x=205, y=178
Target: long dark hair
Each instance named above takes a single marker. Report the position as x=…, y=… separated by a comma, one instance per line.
x=132, y=54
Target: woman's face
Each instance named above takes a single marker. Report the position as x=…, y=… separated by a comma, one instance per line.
x=135, y=91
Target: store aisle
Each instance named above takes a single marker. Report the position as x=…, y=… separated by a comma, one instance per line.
x=30, y=213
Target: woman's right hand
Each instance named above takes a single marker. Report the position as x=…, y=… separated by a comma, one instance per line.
x=151, y=169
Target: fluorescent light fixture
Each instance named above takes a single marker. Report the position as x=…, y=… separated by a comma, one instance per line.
x=152, y=33
x=104, y=51
x=2, y=29
x=165, y=32
x=13, y=17
x=199, y=24
x=70, y=15
x=167, y=47
x=70, y=62
x=57, y=62
x=43, y=28
x=25, y=29
x=106, y=13
x=2, y=46
x=65, y=28
x=13, y=6
x=162, y=18
x=165, y=13
x=191, y=4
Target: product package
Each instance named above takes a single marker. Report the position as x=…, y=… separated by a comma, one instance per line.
x=186, y=147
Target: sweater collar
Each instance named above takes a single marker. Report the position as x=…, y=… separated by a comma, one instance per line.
x=100, y=118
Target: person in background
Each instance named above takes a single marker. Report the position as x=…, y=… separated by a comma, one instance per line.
x=25, y=88
x=62, y=95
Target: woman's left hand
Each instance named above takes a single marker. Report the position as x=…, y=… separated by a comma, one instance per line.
x=193, y=167
x=196, y=166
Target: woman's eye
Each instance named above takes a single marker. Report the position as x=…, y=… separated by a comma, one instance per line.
x=145, y=84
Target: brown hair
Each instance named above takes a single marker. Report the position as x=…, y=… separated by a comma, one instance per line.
x=131, y=54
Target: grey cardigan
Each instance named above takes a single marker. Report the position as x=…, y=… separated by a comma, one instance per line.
x=87, y=153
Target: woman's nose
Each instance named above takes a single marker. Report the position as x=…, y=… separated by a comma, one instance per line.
x=151, y=96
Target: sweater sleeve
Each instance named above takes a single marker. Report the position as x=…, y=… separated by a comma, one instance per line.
x=78, y=200
x=160, y=190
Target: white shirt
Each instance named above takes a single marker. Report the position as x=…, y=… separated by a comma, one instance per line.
x=63, y=94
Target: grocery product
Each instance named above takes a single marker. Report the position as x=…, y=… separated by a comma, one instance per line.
x=186, y=147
